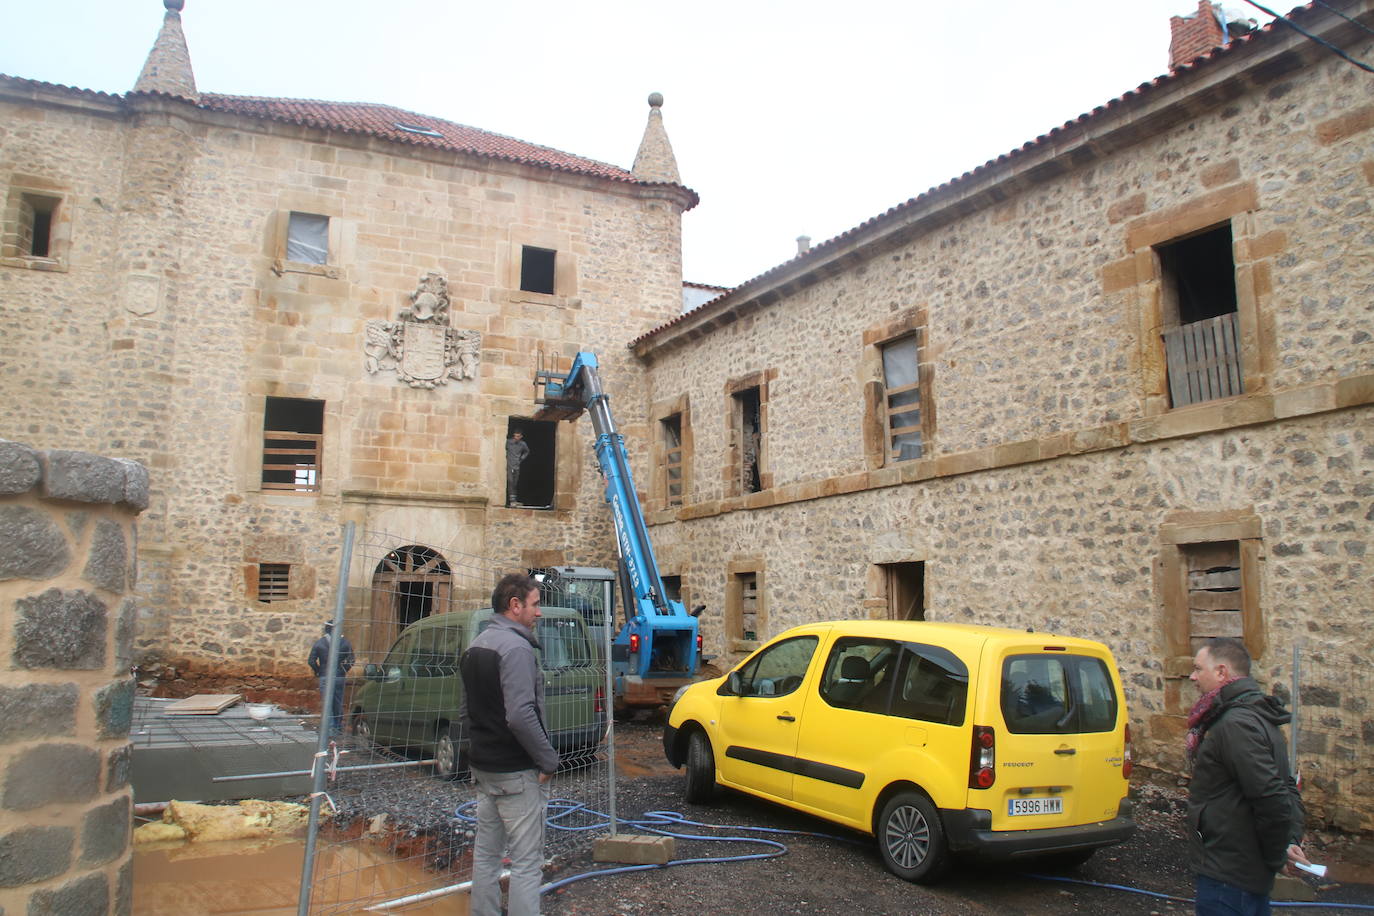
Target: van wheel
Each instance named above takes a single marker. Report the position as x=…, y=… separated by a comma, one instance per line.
x=362, y=731
x=448, y=753
x=700, y=786
x=912, y=839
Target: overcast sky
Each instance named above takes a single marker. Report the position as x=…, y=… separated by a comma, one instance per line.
x=788, y=118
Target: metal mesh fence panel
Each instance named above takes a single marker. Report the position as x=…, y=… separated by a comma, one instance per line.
x=397, y=821
x=1333, y=732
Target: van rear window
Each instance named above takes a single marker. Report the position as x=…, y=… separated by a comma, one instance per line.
x=1057, y=695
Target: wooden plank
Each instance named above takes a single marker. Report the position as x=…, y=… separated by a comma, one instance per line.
x=1203, y=600
x=1217, y=623
x=202, y=704
x=1205, y=556
x=1230, y=349
x=1221, y=579
x=1175, y=361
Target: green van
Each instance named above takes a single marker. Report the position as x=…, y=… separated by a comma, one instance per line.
x=410, y=701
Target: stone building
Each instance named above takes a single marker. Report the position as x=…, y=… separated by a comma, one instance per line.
x=1116, y=383
x=297, y=313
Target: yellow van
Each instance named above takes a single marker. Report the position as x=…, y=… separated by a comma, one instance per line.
x=936, y=738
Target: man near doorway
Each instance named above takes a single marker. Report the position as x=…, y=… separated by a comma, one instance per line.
x=1245, y=816
x=319, y=663
x=517, y=450
x=509, y=751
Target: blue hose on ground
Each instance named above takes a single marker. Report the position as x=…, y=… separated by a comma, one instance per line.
x=562, y=809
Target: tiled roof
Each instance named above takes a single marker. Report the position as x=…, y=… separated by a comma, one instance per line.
x=1056, y=135
x=381, y=121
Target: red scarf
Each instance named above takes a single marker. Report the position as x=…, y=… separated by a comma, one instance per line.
x=1200, y=718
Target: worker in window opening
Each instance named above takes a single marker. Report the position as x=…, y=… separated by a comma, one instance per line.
x=517, y=450
x=319, y=663
x=1244, y=812
x=509, y=751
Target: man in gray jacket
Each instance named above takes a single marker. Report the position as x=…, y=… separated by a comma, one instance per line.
x=509, y=751
x=1245, y=816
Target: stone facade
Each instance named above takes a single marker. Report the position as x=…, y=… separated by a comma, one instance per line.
x=67, y=575
x=174, y=310
x=1058, y=488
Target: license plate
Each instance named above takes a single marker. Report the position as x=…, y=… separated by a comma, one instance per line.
x=1017, y=807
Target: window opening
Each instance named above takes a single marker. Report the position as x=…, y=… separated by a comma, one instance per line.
x=409, y=584
x=273, y=582
x=536, y=269
x=747, y=590
x=1057, y=695
x=1201, y=334
x=906, y=590
x=307, y=238
x=672, y=587
x=1215, y=606
x=779, y=669
x=902, y=390
x=293, y=433
x=35, y=224
x=672, y=459
x=531, y=463
x=750, y=434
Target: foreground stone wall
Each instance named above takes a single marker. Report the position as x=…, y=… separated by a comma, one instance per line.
x=67, y=575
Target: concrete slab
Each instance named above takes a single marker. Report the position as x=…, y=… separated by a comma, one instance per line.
x=634, y=849
x=178, y=756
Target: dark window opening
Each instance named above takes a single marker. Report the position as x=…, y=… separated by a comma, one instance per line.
x=906, y=590
x=414, y=600
x=750, y=432
x=530, y=472
x=1201, y=323
x=747, y=593
x=293, y=433
x=672, y=587
x=536, y=269
x=672, y=459
x=36, y=222
x=273, y=581
x=1200, y=273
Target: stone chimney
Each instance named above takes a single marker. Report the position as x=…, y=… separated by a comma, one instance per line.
x=1190, y=37
x=803, y=244
x=168, y=67
x=655, y=161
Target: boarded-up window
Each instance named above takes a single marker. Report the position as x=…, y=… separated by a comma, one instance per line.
x=292, y=439
x=1214, y=589
x=274, y=581
x=902, y=390
x=1201, y=332
x=672, y=459
x=747, y=585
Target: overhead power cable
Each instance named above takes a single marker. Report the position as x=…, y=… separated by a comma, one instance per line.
x=1344, y=16
x=1321, y=41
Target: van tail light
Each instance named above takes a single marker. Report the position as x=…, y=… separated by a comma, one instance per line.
x=600, y=704
x=1127, y=762
x=698, y=642
x=982, y=764
x=634, y=642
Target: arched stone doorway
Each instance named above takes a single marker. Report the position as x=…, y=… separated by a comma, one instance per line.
x=409, y=583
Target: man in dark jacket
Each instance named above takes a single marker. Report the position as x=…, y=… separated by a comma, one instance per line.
x=509, y=751
x=1245, y=816
x=319, y=663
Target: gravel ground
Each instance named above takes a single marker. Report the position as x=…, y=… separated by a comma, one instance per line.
x=839, y=872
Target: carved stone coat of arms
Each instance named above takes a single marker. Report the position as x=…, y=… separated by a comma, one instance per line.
x=420, y=346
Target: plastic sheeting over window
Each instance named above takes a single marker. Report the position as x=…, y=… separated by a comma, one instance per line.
x=307, y=238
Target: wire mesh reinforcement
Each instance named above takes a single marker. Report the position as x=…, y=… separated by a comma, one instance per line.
x=412, y=608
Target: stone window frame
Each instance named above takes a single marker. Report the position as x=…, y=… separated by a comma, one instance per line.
x=1252, y=255
x=300, y=582
x=59, y=230
x=914, y=320
x=1179, y=531
x=680, y=407
x=310, y=204
x=565, y=276
x=734, y=457
x=732, y=630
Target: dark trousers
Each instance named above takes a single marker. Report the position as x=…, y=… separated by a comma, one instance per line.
x=336, y=708
x=1216, y=898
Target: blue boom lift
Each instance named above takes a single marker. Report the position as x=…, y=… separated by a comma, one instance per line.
x=657, y=649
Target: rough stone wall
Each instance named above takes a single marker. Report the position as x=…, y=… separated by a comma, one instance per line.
x=1054, y=465
x=67, y=576
x=207, y=319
